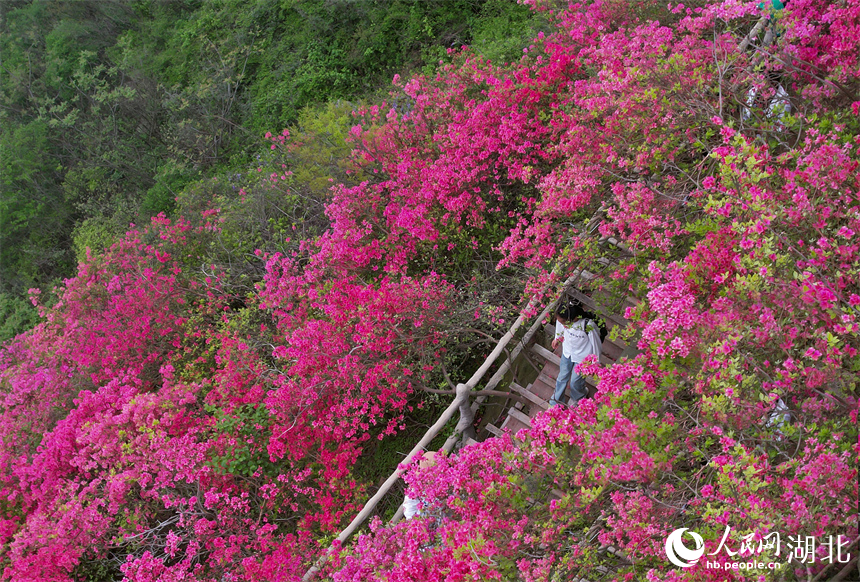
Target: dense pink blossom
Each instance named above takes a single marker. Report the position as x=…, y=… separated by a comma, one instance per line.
x=151, y=424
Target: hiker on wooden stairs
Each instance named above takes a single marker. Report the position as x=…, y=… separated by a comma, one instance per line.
x=579, y=338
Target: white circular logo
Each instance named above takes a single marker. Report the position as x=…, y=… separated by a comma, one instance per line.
x=681, y=555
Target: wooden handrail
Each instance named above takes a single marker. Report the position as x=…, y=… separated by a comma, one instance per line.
x=461, y=402
x=742, y=46
x=491, y=384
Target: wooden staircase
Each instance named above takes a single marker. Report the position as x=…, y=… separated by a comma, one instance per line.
x=539, y=392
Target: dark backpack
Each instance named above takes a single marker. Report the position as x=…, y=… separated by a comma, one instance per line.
x=574, y=309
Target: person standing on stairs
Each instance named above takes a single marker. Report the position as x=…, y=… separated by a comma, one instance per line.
x=579, y=338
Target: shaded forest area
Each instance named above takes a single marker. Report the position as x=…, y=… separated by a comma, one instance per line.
x=109, y=110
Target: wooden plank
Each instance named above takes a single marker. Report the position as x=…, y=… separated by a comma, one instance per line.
x=493, y=429
x=545, y=354
x=543, y=387
x=514, y=425
x=543, y=378
x=550, y=372
x=611, y=350
x=531, y=396
x=514, y=413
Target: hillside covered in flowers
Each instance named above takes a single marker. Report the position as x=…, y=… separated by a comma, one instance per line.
x=203, y=399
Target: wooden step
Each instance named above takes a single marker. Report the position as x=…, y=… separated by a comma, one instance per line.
x=531, y=396
x=494, y=430
x=513, y=425
x=550, y=371
x=513, y=412
x=630, y=352
x=543, y=387
x=545, y=354
x=611, y=350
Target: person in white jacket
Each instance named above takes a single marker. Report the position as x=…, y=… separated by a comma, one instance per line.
x=412, y=507
x=579, y=338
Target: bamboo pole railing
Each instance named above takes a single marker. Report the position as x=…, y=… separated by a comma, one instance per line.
x=467, y=411
x=460, y=403
x=754, y=32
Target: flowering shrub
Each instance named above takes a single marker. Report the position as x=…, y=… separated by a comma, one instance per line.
x=165, y=425
x=741, y=408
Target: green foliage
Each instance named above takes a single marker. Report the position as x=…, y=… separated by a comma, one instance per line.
x=324, y=51
x=17, y=315
x=256, y=211
x=503, y=29
x=95, y=235
x=111, y=109
x=25, y=201
x=101, y=209
x=91, y=569
x=171, y=178
x=381, y=457
x=65, y=108
x=20, y=163
x=324, y=152
x=245, y=427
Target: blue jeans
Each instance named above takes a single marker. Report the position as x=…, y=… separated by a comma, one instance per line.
x=578, y=389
